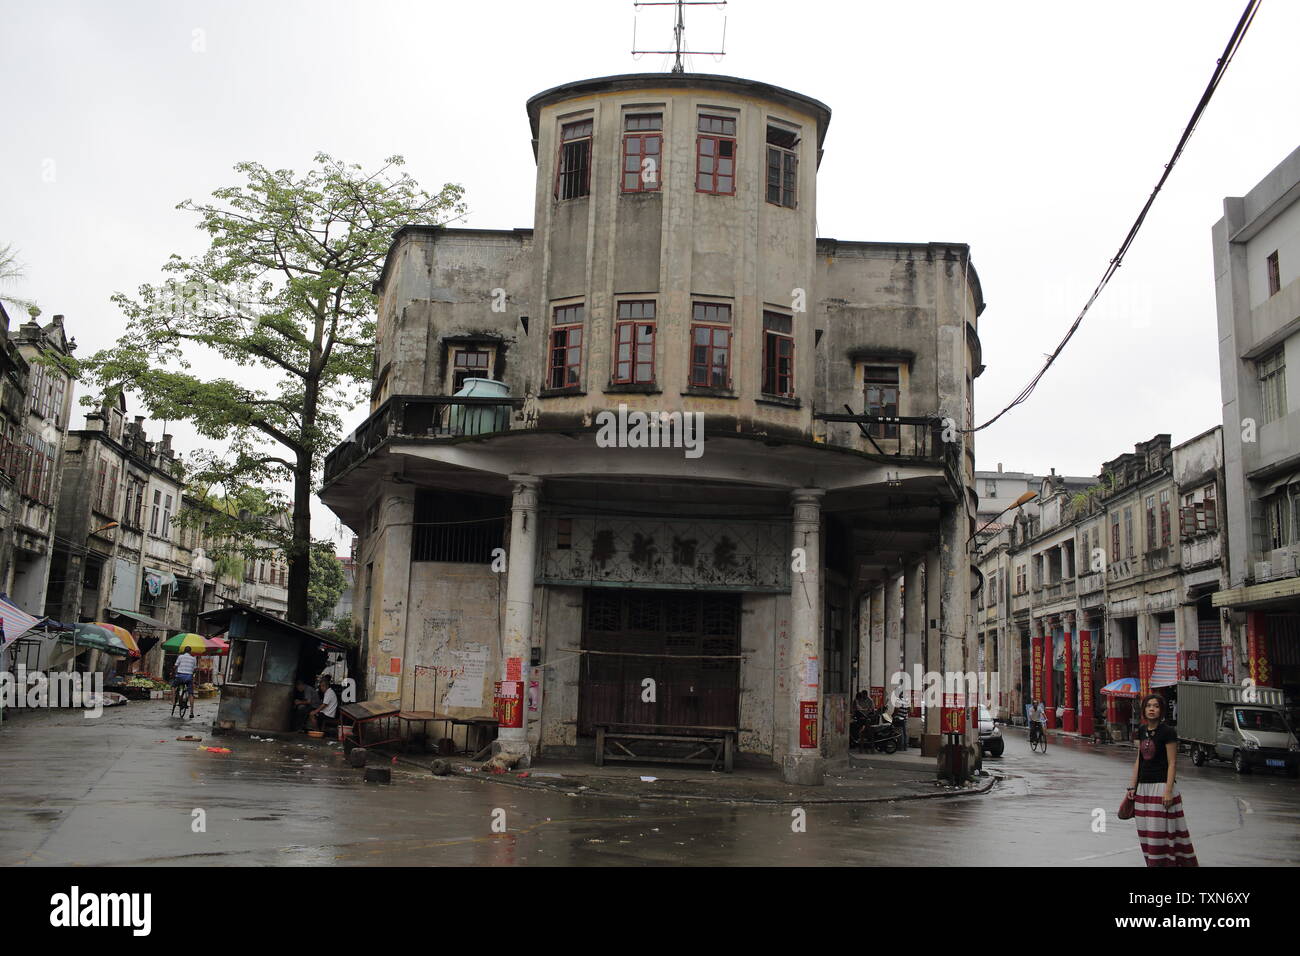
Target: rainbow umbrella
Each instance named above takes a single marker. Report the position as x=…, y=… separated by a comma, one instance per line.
x=1124, y=687
x=197, y=643
x=94, y=637
x=125, y=636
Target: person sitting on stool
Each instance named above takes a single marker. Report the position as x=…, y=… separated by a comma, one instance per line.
x=327, y=712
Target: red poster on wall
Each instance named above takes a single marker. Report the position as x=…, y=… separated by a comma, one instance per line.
x=808, y=725
x=1146, y=666
x=1257, y=650
x=1114, y=671
x=1068, y=703
x=878, y=697
x=1189, y=665
x=1036, y=670
x=508, y=703
x=1086, y=706
x=952, y=716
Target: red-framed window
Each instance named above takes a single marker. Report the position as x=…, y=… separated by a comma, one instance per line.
x=711, y=345
x=880, y=387
x=642, y=152
x=573, y=166
x=782, y=166
x=566, y=347
x=634, y=344
x=715, y=156
x=778, y=354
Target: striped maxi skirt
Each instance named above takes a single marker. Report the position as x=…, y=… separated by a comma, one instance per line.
x=1162, y=830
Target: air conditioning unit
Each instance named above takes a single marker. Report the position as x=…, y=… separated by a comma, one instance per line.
x=1263, y=571
x=1283, y=561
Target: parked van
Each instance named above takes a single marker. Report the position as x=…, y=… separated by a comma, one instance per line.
x=1246, y=726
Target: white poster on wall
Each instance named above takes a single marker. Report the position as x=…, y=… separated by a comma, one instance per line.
x=466, y=688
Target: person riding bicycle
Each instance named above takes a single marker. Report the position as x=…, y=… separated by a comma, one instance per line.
x=1037, y=718
x=183, y=673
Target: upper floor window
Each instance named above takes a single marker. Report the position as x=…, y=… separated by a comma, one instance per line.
x=715, y=156
x=167, y=518
x=469, y=363
x=157, y=512
x=782, y=166
x=880, y=398
x=634, y=343
x=1272, y=384
x=642, y=152
x=566, y=347
x=778, y=354
x=711, y=345
x=1274, y=275
x=573, y=170
x=1164, y=517
x=1128, y=532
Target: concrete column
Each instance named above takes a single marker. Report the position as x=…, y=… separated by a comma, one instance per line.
x=390, y=598
x=893, y=633
x=1068, y=719
x=932, y=652
x=954, y=595
x=520, y=576
x=1147, y=633
x=913, y=632
x=876, y=671
x=803, y=762
x=864, y=642
x=1188, y=627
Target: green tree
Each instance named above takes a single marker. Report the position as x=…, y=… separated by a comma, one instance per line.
x=284, y=289
x=327, y=582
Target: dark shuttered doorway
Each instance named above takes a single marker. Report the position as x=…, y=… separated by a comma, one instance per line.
x=688, y=642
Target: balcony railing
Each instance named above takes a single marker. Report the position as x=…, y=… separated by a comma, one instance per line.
x=422, y=416
x=902, y=437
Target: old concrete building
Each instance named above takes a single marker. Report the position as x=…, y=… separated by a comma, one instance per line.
x=600, y=568
x=1111, y=579
x=1257, y=279
x=36, y=441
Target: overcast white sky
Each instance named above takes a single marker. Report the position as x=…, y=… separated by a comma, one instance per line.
x=1032, y=131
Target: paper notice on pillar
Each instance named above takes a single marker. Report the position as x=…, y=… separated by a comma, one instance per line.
x=514, y=668
x=467, y=685
x=386, y=684
x=810, y=672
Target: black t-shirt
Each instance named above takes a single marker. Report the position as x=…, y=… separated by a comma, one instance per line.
x=1151, y=747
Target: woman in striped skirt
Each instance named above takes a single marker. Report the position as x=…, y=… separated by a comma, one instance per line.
x=1162, y=829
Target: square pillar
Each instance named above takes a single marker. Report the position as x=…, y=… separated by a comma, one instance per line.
x=1068, y=719
x=876, y=671
x=521, y=570
x=913, y=635
x=803, y=762
x=932, y=653
x=893, y=634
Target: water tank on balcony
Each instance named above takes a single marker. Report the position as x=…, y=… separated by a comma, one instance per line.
x=480, y=419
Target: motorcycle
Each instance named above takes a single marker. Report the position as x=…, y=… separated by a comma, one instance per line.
x=872, y=728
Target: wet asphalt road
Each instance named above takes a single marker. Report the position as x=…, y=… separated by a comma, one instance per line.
x=122, y=790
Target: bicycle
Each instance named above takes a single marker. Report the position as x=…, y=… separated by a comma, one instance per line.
x=1037, y=737
x=182, y=697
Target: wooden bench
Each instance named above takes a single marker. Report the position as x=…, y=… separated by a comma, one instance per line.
x=703, y=745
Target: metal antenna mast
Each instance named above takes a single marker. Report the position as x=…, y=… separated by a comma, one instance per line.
x=679, y=29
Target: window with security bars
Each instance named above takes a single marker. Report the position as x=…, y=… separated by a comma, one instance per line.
x=778, y=354
x=711, y=345
x=880, y=397
x=634, y=344
x=1115, y=554
x=1151, y=522
x=1164, y=518
x=1128, y=532
x=566, y=347
x=573, y=170
x=457, y=528
x=642, y=152
x=782, y=166
x=715, y=156
x=1274, y=275
x=1272, y=385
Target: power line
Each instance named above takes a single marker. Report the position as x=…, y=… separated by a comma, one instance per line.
x=1220, y=68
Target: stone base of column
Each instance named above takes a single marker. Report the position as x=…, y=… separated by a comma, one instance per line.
x=804, y=770
x=930, y=744
x=517, y=753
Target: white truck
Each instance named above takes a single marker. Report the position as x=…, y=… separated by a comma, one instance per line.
x=1244, y=724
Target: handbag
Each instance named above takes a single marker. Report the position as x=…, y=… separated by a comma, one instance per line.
x=1126, y=808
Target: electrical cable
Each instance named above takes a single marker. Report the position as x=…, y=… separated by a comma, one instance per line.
x=1221, y=67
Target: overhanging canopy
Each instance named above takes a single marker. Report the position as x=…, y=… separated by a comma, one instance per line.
x=141, y=618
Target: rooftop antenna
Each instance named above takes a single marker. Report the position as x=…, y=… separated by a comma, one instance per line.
x=679, y=29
